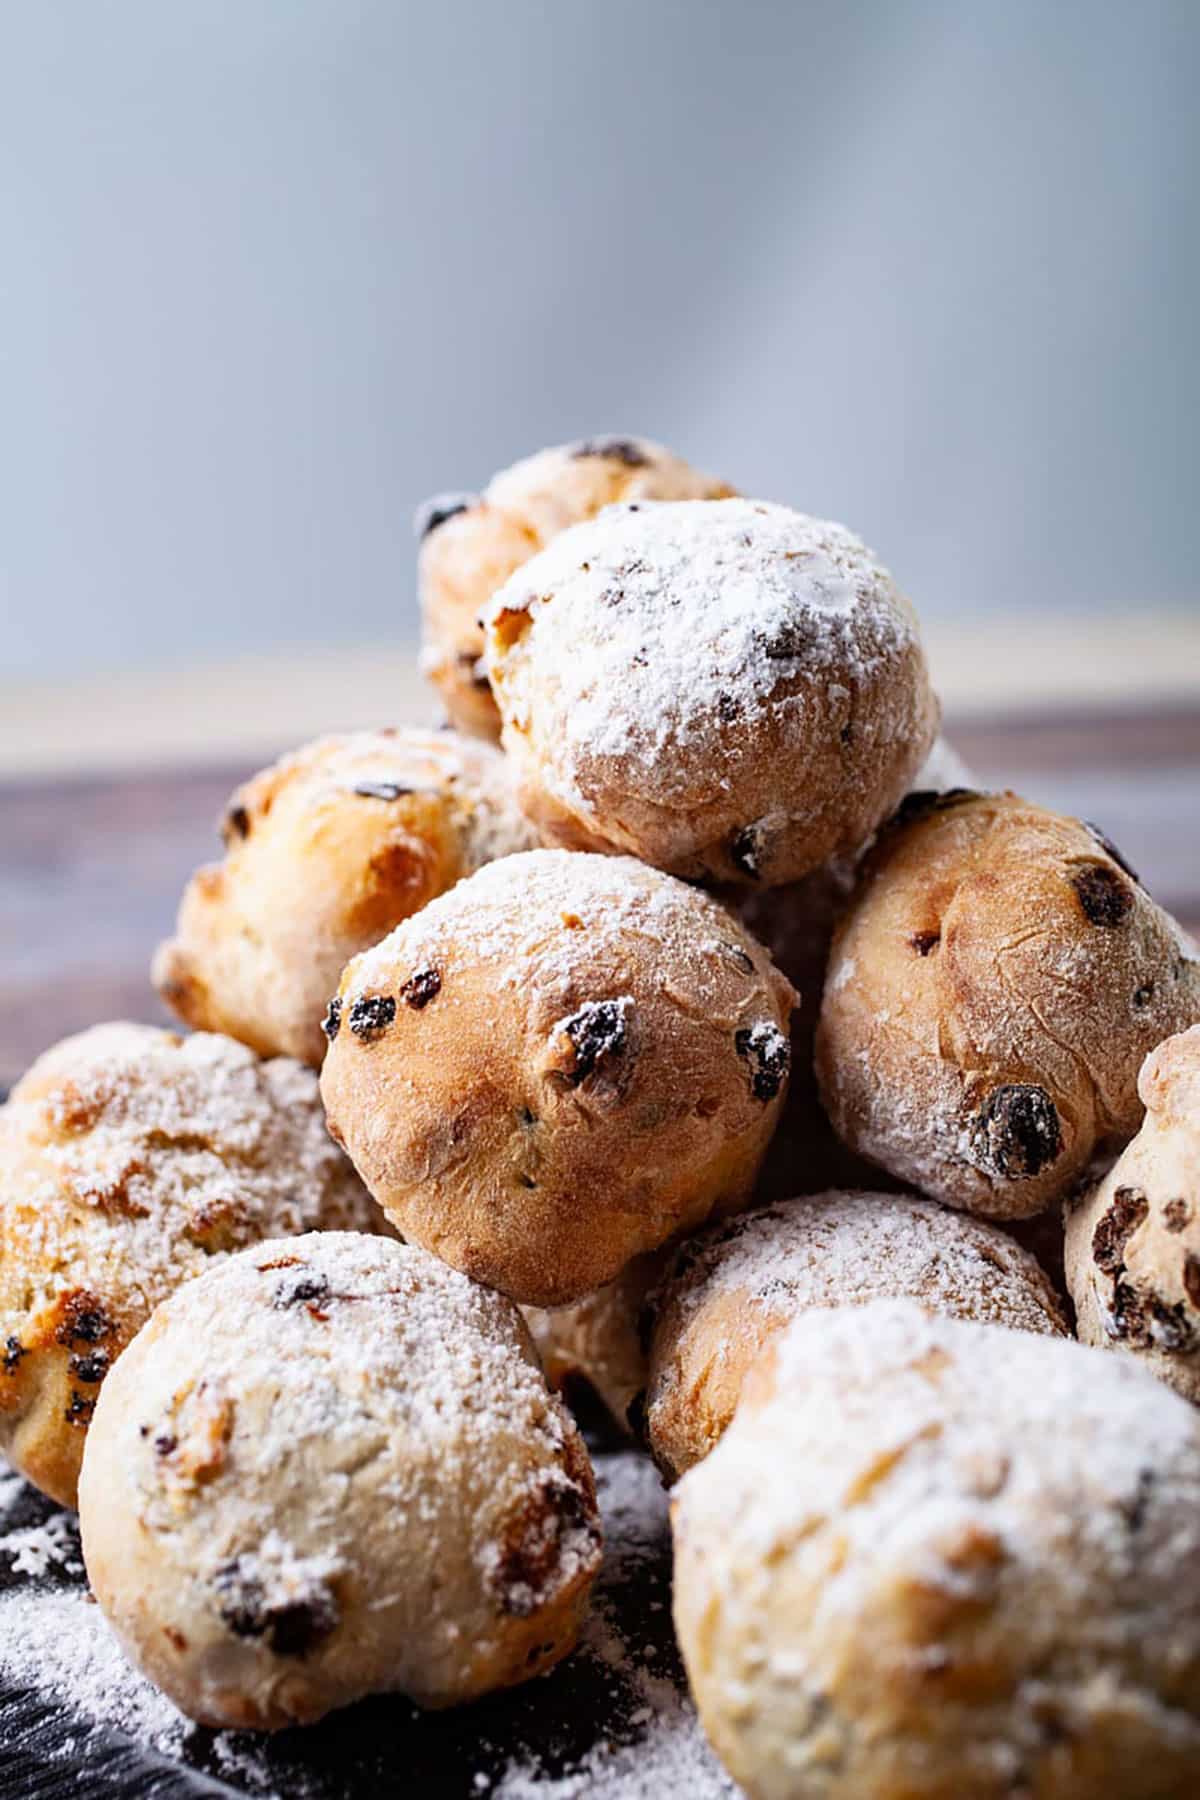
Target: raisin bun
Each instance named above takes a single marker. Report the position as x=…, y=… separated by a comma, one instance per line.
x=556, y=1067
x=992, y=991
x=730, y=1290
x=600, y=1341
x=729, y=689
x=131, y=1160
x=329, y=1468
x=983, y=1581
x=471, y=543
x=1133, y=1242
x=325, y=852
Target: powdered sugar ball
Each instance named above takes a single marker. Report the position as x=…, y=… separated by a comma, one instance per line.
x=330, y=1468
x=1133, y=1243
x=326, y=851
x=993, y=989
x=734, y=1287
x=557, y=1066
x=945, y=1559
x=471, y=543
x=130, y=1160
x=728, y=689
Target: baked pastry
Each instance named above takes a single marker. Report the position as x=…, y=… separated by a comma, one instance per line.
x=733, y=1288
x=325, y=852
x=130, y=1160
x=1133, y=1242
x=992, y=991
x=330, y=1468
x=599, y=1340
x=471, y=543
x=557, y=1066
x=726, y=689
x=983, y=1581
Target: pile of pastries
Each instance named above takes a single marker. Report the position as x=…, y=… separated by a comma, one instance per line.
x=677, y=1020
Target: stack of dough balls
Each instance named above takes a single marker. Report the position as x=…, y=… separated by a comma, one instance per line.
x=676, y=1037
x=471, y=543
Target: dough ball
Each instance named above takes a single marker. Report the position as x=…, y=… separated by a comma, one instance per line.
x=330, y=1468
x=130, y=1161
x=1133, y=1244
x=945, y=1559
x=471, y=543
x=599, y=1340
x=992, y=991
x=557, y=1066
x=731, y=1289
x=325, y=852
x=727, y=689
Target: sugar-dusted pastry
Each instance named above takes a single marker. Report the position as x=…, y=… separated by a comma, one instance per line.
x=726, y=689
x=130, y=1161
x=331, y=1467
x=1133, y=1242
x=557, y=1066
x=730, y=1290
x=326, y=851
x=471, y=543
x=939, y=1559
x=992, y=991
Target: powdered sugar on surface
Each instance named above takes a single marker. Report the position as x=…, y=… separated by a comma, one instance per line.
x=625, y=1677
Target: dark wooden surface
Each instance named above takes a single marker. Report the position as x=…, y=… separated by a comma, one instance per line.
x=91, y=869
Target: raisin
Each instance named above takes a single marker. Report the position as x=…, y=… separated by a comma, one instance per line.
x=744, y=851
x=381, y=790
x=1104, y=897
x=925, y=941
x=1114, y=1230
x=300, y=1290
x=331, y=1024
x=598, y=1032
x=237, y=823
x=1107, y=844
x=1191, y=1278
x=1016, y=1132
x=165, y=1443
x=84, y=1321
x=768, y=1052
x=291, y=1628
x=744, y=962
x=91, y=1368
x=727, y=708
x=1176, y=1214
x=1135, y=1512
x=538, y=1542
x=422, y=986
x=80, y=1408
x=622, y=450
x=371, y=1015
x=793, y=639
x=1144, y=994
x=14, y=1350
x=435, y=512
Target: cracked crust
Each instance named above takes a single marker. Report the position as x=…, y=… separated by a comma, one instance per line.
x=1133, y=1243
x=985, y=1581
x=325, y=852
x=330, y=1468
x=601, y=1069
x=983, y=1019
x=472, y=543
x=130, y=1160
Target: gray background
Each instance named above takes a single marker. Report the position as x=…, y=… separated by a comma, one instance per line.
x=274, y=269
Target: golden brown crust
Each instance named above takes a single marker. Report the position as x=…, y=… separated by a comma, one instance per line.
x=131, y=1159
x=326, y=851
x=471, y=544
x=729, y=1291
x=556, y=1067
x=992, y=991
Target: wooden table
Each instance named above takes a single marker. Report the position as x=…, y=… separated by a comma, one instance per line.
x=91, y=869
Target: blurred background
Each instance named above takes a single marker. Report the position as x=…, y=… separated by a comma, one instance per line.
x=276, y=271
